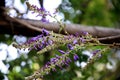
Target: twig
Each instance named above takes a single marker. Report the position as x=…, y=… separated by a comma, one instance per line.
x=109, y=38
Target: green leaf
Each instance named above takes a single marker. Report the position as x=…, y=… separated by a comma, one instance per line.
x=22, y=1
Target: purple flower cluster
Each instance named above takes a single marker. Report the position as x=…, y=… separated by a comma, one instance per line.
x=56, y=61
x=41, y=12
x=82, y=39
x=51, y=65
x=39, y=42
x=85, y=33
x=75, y=56
x=49, y=40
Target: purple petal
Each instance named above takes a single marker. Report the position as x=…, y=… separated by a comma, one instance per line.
x=34, y=39
x=45, y=32
x=40, y=46
x=43, y=9
x=85, y=33
x=44, y=20
x=53, y=69
x=66, y=63
x=82, y=39
x=75, y=57
x=52, y=59
x=76, y=34
x=68, y=60
x=58, y=57
x=35, y=46
x=50, y=42
x=61, y=51
x=34, y=6
x=75, y=41
x=95, y=52
x=70, y=46
x=43, y=42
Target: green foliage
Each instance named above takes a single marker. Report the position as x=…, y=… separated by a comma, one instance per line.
x=94, y=12
x=1, y=75
x=6, y=38
x=22, y=1
x=98, y=13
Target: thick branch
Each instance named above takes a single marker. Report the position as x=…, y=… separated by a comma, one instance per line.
x=73, y=28
x=70, y=28
x=26, y=27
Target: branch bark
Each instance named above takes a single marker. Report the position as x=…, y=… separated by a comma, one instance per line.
x=73, y=28
x=70, y=28
x=25, y=27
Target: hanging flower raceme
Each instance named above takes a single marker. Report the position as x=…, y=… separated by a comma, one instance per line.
x=49, y=40
x=41, y=12
x=51, y=65
x=38, y=42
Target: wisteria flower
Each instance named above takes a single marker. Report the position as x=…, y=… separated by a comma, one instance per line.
x=45, y=32
x=61, y=51
x=75, y=41
x=70, y=47
x=75, y=57
x=95, y=52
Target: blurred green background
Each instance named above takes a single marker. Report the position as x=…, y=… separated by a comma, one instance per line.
x=92, y=12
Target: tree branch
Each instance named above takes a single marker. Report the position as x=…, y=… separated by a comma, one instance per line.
x=25, y=27
x=73, y=28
